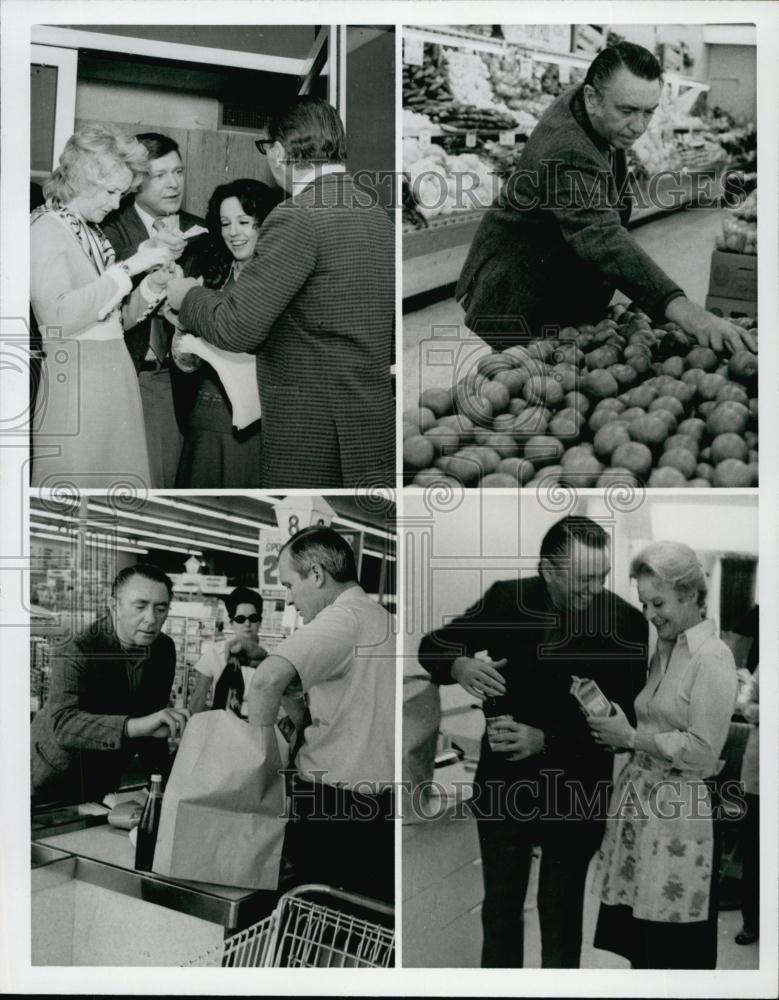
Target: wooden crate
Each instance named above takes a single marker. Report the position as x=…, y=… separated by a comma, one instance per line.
x=731, y=308
x=733, y=275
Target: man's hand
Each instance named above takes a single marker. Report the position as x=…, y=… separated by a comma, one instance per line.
x=171, y=240
x=709, y=330
x=177, y=290
x=254, y=651
x=480, y=678
x=517, y=739
x=163, y=724
x=614, y=731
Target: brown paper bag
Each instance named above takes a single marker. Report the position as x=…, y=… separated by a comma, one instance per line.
x=223, y=812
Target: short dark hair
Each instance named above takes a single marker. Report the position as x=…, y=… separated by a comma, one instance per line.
x=574, y=528
x=634, y=58
x=242, y=595
x=158, y=145
x=147, y=571
x=256, y=199
x=323, y=546
x=310, y=130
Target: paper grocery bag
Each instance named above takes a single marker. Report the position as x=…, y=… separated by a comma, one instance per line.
x=223, y=812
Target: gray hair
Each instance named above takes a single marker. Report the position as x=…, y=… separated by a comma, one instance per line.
x=675, y=564
x=92, y=154
x=324, y=547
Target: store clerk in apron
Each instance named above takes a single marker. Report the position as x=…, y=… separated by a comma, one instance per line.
x=228, y=664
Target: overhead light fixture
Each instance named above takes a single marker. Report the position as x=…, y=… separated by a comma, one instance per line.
x=166, y=523
x=210, y=512
x=36, y=533
x=119, y=530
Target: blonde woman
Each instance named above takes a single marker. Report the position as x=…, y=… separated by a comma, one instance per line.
x=656, y=867
x=88, y=424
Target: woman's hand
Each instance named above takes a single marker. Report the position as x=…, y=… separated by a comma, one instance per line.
x=146, y=258
x=158, y=279
x=613, y=731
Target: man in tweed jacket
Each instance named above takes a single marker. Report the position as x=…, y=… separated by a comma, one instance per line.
x=316, y=306
x=554, y=248
x=110, y=687
x=167, y=393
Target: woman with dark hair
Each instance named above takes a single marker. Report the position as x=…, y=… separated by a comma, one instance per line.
x=657, y=869
x=229, y=665
x=215, y=454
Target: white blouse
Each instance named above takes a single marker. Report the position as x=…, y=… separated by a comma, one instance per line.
x=684, y=710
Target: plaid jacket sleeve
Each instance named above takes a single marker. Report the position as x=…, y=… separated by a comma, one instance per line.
x=241, y=317
x=594, y=231
x=75, y=728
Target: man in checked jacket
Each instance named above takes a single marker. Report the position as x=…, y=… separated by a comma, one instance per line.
x=108, y=699
x=316, y=306
x=555, y=247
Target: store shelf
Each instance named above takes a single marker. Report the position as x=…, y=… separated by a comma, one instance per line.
x=434, y=257
x=460, y=38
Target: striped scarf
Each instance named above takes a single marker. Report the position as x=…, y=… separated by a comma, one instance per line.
x=93, y=240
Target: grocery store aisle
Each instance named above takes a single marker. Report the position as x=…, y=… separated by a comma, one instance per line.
x=434, y=340
x=442, y=907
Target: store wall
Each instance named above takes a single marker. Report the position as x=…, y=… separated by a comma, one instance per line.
x=651, y=35
x=370, y=104
x=125, y=103
x=289, y=41
x=732, y=73
x=211, y=157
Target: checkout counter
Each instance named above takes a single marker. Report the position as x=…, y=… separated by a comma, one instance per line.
x=91, y=907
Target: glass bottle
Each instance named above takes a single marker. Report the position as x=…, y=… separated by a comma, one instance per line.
x=148, y=827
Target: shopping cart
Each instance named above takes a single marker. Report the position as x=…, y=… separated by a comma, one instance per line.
x=303, y=932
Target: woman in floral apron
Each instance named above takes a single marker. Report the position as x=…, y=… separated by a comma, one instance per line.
x=656, y=866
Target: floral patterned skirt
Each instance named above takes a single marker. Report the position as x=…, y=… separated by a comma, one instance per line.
x=656, y=855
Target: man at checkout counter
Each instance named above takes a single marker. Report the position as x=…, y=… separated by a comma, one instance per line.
x=110, y=687
x=340, y=832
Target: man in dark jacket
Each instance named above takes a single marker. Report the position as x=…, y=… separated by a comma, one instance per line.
x=542, y=778
x=110, y=687
x=155, y=213
x=316, y=306
x=553, y=250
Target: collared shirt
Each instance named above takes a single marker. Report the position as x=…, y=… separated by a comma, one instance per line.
x=685, y=708
x=345, y=658
x=149, y=220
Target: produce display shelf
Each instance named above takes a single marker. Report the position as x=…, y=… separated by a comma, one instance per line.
x=443, y=130
x=434, y=256
x=444, y=34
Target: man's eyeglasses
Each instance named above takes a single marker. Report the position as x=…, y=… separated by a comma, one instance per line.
x=263, y=145
x=240, y=619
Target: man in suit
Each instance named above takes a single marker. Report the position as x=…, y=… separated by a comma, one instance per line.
x=541, y=777
x=316, y=306
x=155, y=213
x=110, y=687
x=555, y=247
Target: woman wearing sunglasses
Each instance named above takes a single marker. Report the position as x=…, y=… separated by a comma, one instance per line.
x=228, y=664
